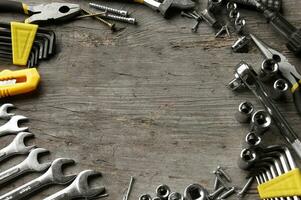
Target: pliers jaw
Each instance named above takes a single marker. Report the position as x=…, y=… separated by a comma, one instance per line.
x=52, y=13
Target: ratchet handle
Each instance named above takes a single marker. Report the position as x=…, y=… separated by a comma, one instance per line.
x=13, y=6
x=297, y=98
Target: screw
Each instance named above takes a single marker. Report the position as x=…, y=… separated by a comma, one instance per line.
x=196, y=26
x=216, y=183
x=220, y=179
x=223, y=172
x=111, y=26
x=129, y=188
x=243, y=191
x=129, y=20
x=216, y=193
x=184, y=14
x=109, y=9
x=227, y=194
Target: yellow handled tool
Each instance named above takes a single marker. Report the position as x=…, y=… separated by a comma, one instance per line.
x=18, y=82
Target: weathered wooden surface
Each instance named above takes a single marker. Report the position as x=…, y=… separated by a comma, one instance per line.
x=149, y=101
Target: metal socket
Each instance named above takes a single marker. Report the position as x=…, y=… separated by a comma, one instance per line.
x=280, y=89
x=215, y=6
x=244, y=112
x=163, y=191
x=145, y=197
x=269, y=69
x=261, y=121
x=195, y=192
x=252, y=140
x=175, y=196
x=247, y=158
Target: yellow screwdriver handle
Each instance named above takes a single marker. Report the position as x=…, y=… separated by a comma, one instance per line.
x=26, y=80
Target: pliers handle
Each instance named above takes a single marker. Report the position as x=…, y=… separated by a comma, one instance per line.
x=13, y=6
x=296, y=91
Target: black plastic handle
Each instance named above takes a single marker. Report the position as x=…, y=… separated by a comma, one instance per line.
x=297, y=99
x=11, y=6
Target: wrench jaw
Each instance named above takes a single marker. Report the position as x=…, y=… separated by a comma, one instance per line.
x=12, y=126
x=82, y=184
x=4, y=111
x=32, y=160
x=18, y=145
x=56, y=172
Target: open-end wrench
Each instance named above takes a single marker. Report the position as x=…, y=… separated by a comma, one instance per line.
x=11, y=127
x=3, y=111
x=16, y=147
x=30, y=164
x=79, y=188
x=54, y=175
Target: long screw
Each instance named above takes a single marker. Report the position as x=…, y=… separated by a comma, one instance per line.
x=243, y=191
x=216, y=193
x=129, y=20
x=110, y=25
x=224, y=173
x=227, y=194
x=129, y=188
x=109, y=9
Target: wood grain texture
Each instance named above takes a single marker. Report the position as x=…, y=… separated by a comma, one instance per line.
x=149, y=101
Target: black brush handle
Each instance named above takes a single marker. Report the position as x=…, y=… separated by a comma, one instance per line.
x=13, y=6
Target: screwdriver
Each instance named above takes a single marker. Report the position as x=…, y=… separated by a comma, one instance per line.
x=282, y=26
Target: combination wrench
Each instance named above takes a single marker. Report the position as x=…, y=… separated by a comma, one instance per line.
x=16, y=147
x=3, y=111
x=54, y=175
x=79, y=188
x=30, y=164
x=12, y=127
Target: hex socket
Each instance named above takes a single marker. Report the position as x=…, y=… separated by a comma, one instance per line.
x=163, y=191
x=145, y=197
x=195, y=192
x=260, y=122
x=244, y=112
x=280, y=89
x=246, y=158
x=269, y=69
x=175, y=196
x=215, y=5
x=252, y=140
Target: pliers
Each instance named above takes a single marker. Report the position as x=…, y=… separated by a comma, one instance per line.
x=286, y=69
x=43, y=13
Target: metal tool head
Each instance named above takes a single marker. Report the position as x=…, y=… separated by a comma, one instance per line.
x=176, y=4
x=287, y=69
x=53, y=12
x=81, y=184
x=32, y=161
x=195, y=192
x=56, y=172
x=12, y=126
x=3, y=111
x=18, y=144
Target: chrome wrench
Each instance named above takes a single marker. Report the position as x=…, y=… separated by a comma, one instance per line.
x=54, y=175
x=16, y=147
x=30, y=164
x=12, y=127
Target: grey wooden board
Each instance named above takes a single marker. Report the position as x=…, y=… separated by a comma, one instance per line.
x=149, y=101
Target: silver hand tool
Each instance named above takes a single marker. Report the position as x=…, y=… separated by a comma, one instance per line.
x=79, y=188
x=11, y=127
x=163, y=191
x=287, y=70
x=244, y=112
x=260, y=122
x=3, y=111
x=195, y=192
x=245, y=75
x=54, y=175
x=16, y=147
x=30, y=164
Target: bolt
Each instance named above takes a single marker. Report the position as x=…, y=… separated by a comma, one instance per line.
x=243, y=191
x=184, y=14
x=216, y=193
x=109, y=9
x=194, y=29
x=129, y=20
x=227, y=194
x=223, y=172
x=216, y=183
x=220, y=179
